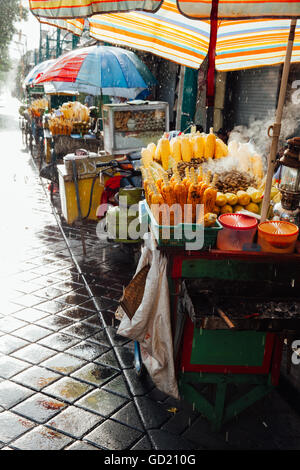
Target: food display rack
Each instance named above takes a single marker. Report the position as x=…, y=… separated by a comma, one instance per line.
x=212, y=356
x=129, y=127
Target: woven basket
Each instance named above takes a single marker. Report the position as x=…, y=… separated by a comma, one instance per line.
x=134, y=292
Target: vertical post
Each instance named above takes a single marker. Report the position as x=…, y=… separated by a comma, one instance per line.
x=277, y=125
x=41, y=45
x=210, y=85
x=179, y=98
x=47, y=48
x=58, y=46
x=75, y=40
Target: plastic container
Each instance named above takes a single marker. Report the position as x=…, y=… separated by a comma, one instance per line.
x=278, y=236
x=174, y=236
x=238, y=230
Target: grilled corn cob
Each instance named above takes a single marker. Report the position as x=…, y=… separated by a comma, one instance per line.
x=175, y=145
x=186, y=149
x=210, y=145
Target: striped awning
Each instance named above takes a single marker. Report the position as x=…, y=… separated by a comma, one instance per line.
x=165, y=33
x=200, y=9
x=66, y=9
x=254, y=43
x=239, y=9
x=74, y=26
x=240, y=43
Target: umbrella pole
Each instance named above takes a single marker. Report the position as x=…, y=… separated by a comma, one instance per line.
x=277, y=125
x=210, y=81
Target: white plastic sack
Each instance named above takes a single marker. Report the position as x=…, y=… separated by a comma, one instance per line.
x=151, y=323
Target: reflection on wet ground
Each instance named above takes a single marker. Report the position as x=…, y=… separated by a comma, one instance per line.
x=66, y=378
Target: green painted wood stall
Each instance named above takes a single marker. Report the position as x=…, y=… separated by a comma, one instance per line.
x=223, y=370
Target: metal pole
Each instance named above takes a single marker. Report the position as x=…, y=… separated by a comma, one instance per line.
x=47, y=48
x=277, y=125
x=58, y=48
x=179, y=98
x=40, y=50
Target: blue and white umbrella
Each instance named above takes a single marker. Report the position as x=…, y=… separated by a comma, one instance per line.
x=98, y=70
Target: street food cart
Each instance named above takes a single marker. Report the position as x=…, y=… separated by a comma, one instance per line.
x=233, y=300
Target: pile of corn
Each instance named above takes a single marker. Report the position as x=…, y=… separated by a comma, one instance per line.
x=188, y=192
x=38, y=107
x=184, y=148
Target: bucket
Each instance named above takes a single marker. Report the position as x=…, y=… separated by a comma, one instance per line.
x=277, y=236
x=238, y=230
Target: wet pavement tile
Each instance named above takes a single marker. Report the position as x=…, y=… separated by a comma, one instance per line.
x=108, y=317
x=100, y=337
x=42, y=438
x=36, y=377
x=128, y=415
x=11, y=394
x=34, y=353
x=89, y=305
x=94, y=320
x=9, y=344
x=13, y=426
x=39, y=408
x=163, y=440
x=67, y=389
x=55, y=322
x=106, y=304
x=79, y=445
x=95, y=374
x=45, y=281
x=137, y=385
x=30, y=315
x=52, y=306
x=64, y=363
x=153, y=415
x=102, y=402
x=32, y=333
x=81, y=330
x=118, y=386
x=77, y=313
x=113, y=436
x=72, y=299
x=178, y=423
x=116, y=339
x=9, y=366
x=142, y=444
x=10, y=324
x=50, y=293
x=70, y=285
x=7, y=308
x=108, y=359
x=26, y=287
x=87, y=350
x=29, y=300
x=125, y=357
x=59, y=341
x=75, y=421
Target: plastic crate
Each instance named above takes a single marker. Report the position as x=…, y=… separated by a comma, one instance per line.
x=176, y=233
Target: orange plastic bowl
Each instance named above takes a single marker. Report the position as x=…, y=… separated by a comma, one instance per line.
x=278, y=236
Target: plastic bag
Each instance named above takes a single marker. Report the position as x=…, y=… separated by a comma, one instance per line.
x=151, y=323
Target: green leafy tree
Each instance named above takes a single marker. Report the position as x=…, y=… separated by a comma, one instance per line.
x=10, y=12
